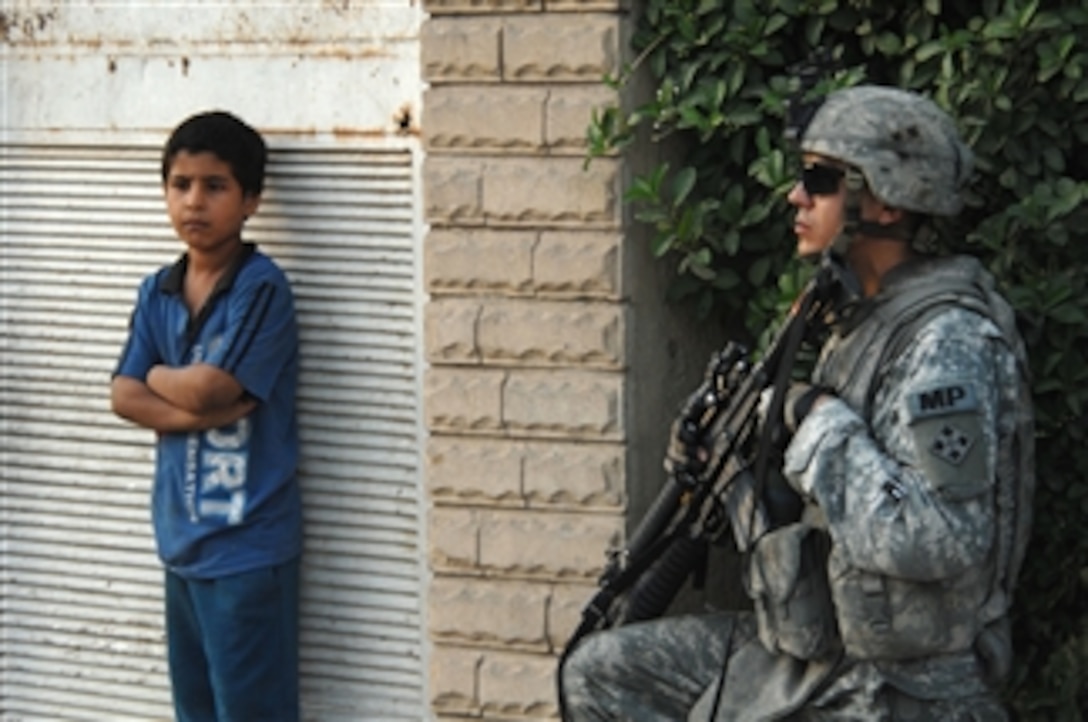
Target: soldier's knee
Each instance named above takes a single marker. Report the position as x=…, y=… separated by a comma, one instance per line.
x=577, y=678
x=581, y=663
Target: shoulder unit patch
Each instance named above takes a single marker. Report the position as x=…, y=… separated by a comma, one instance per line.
x=951, y=443
x=946, y=422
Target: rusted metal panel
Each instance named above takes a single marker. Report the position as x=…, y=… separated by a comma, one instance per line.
x=341, y=25
x=80, y=589
x=89, y=90
x=80, y=599
x=346, y=68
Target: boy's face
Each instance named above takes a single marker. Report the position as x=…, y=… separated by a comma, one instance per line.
x=205, y=203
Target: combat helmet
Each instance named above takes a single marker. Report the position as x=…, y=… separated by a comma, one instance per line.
x=907, y=149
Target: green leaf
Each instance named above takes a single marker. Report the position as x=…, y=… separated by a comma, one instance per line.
x=662, y=244
x=1047, y=21
x=698, y=263
x=1000, y=29
x=682, y=185
x=763, y=141
x=755, y=213
x=775, y=23
x=732, y=205
x=744, y=115
x=1071, y=196
x=685, y=227
x=731, y=241
x=759, y=271
x=1069, y=314
x=889, y=43
x=735, y=79
x=1027, y=14
x=928, y=50
x=726, y=279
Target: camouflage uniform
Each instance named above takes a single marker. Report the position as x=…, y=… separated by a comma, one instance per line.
x=919, y=472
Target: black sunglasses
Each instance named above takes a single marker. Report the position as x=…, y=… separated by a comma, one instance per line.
x=820, y=179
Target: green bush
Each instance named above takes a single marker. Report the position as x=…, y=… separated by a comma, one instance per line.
x=1013, y=73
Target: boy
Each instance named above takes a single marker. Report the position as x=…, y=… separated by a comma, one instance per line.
x=211, y=365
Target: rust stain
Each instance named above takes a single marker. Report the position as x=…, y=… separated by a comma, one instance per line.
x=185, y=66
x=403, y=119
x=340, y=7
x=111, y=64
x=28, y=26
x=338, y=132
x=336, y=52
x=357, y=133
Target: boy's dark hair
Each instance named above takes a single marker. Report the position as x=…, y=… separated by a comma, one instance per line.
x=229, y=138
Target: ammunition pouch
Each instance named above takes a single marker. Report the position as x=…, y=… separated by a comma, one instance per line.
x=787, y=581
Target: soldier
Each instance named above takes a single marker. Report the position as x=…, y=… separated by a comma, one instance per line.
x=911, y=456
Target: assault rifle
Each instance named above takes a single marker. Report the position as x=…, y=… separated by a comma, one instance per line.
x=720, y=484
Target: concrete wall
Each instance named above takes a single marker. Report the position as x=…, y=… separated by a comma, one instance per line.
x=525, y=337
x=551, y=352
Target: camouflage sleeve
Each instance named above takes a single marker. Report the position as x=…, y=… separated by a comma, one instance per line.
x=910, y=494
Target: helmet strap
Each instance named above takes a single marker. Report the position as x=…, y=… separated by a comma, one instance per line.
x=901, y=230
x=853, y=224
x=851, y=215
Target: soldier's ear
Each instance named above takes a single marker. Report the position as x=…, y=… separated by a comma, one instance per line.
x=889, y=215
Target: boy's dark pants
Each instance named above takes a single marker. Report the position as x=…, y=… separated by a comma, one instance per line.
x=233, y=646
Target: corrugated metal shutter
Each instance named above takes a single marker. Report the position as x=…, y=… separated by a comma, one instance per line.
x=80, y=588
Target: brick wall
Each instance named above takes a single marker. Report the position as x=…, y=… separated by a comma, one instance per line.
x=526, y=336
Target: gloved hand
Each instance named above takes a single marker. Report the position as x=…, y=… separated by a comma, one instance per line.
x=685, y=452
x=799, y=401
x=801, y=398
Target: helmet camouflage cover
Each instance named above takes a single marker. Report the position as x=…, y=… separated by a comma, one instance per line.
x=906, y=147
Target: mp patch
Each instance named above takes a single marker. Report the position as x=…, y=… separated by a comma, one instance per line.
x=951, y=398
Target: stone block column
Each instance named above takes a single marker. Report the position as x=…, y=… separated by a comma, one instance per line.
x=526, y=341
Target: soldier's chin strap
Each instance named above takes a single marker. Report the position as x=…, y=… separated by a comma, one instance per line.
x=842, y=287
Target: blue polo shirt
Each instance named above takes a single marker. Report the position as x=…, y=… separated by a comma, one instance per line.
x=226, y=500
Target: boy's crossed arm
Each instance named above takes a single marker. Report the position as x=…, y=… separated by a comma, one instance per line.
x=199, y=388
x=190, y=398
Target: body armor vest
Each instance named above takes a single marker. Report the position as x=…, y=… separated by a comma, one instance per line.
x=852, y=363
x=878, y=330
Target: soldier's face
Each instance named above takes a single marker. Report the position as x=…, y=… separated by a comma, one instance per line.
x=818, y=196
